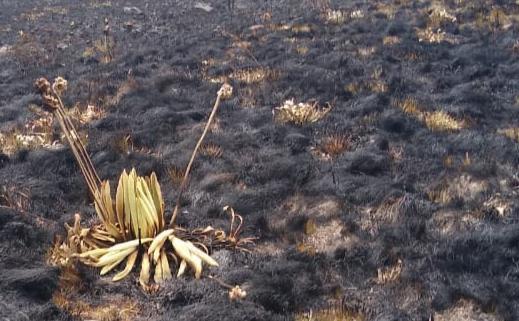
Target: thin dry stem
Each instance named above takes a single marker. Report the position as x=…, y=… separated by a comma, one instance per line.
x=51, y=97
x=224, y=92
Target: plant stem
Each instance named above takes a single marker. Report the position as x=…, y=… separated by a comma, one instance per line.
x=193, y=155
x=80, y=153
x=220, y=282
x=78, y=149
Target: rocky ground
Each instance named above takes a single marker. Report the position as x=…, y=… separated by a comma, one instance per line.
x=400, y=203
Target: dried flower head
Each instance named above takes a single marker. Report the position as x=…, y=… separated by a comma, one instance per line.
x=225, y=92
x=43, y=85
x=60, y=85
x=237, y=293
x=50, y=101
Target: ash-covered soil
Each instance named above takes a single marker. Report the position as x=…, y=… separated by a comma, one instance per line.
x=413, y=217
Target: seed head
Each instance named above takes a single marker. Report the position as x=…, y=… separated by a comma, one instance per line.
x=225, y=91
x=60, y=85
x=237, y=293
x=50, y=101
x=43, y=85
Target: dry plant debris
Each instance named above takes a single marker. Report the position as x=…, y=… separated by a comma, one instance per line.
x=28, y=51
x=435, y=121
x=431, y=35
x=103, y=48
x=254, y=75
x=235, y=292
x=38, y=132
x=512, y=133
x=332, y=146
x=176, y=175
x=389, y=274
x=338, y=313
x=211, y=150
x=439, y=16
x=300, y=113
x=410, y=106
x=441, y=121
x=132, y=227
x=335, y=16
x=14, y=197
x=112, y=309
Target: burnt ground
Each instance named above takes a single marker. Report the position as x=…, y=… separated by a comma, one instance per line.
x=416, y=219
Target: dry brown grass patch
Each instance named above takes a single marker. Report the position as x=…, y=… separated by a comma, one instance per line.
x=176, y=174
x=440, y=194
x=14, y=197
x=366, y=52
x=430, y=35
x=463, y=186
x=378, y=86
x=28, y=51
x=412, y=56
x=370, y=119
x=439, y=17
x=495, y=19
x=35, y=14
x=254, y=75
x=301, y=28
x=249, y=75
x=318, y=5
x=37, y=132
x=32, y=15
x=248, y=98
x=103, y=48
x=387, y=9
x=332, y=146
x=211, y=150
x=125, y=88
x=310, y=227
x=334, y=16
x=306, y=248
x=325, y=237
x=512, y=133
x=391, y=40
x=337, y=313
x=301, y=113
x=499, y=205
x=386, y=213
x=465, y=310
x=302, y=50
x=100, y=4
x=389, y=274
x=113, y=308
x=123, y=144
x=85, y=114
x=70, y=280
x=396, y=153
x=410, y=106
x=443, y=122
x=354, y=87
x=436, y=121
